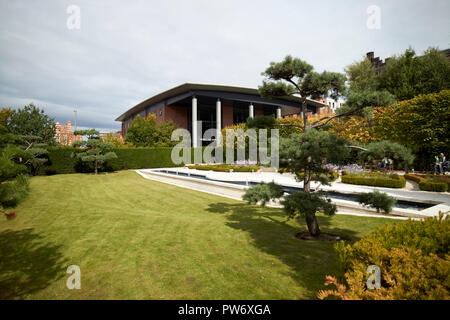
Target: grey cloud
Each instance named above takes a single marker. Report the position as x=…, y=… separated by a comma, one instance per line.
x=127, y=51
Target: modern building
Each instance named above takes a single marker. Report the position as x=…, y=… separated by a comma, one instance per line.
x=216, y=106
x=64, y=134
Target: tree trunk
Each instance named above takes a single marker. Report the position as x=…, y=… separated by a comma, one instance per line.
x=96, y=167
x=307, y=182
x=313, y=226
x=305, y=114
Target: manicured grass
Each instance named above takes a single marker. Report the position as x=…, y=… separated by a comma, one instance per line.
x=138, y=239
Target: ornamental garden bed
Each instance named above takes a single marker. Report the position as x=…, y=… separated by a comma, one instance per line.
x=429, y=182
x=225, y=167
x=375, y=179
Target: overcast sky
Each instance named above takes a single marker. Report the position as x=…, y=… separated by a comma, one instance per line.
x=127, y=51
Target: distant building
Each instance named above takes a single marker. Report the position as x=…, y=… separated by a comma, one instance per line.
x=64, y=134
x=447, y=53
x=333, y=105
x=376, y=62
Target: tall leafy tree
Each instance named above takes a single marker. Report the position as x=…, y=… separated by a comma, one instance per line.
x=32, y=121
x=409, y=75
x=94, y=149
x=293, y=77
x=145, y=132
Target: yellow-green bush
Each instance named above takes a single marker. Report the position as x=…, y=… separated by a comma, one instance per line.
x=412, y=256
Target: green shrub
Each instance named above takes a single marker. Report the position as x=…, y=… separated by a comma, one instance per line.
x=430, y=182
x=433, y=186
x=377, y=200
x=225, y=167
x=376, y=180
x=59, y=161
x=413, y=258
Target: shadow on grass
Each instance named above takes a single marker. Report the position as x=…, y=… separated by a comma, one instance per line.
x=27, y=263
x=273, y=234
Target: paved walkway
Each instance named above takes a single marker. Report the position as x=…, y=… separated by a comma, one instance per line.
x=227, y=190
x=288, y=179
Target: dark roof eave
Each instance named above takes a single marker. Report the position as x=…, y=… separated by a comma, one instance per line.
x=194, y=86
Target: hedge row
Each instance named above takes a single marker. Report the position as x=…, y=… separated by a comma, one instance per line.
x=425, y=184
x=392, y=181
x=60, y=160
x=225, y=168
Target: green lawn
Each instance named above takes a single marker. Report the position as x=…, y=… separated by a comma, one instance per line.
x=138, y=239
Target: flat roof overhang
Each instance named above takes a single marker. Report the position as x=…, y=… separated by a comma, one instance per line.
x=216, y=91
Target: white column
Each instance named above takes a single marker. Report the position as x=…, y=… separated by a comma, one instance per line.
x=219, y=122
x=278, y=113
x=194, y=122
x=251, y=113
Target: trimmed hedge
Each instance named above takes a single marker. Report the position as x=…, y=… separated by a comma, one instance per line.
x=61, y=162
x=430, y=183
x=225, y=168
x=391, y=181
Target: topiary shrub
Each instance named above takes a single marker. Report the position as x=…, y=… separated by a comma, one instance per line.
x=433, y=186
x=430, y=182
x=412, y=256
x=375, y=179
x=377, y=200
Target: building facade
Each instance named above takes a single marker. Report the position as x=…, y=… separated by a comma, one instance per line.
x=216, y=106
x=64, y=134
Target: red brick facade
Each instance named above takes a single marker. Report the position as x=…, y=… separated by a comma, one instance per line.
x=64, y=134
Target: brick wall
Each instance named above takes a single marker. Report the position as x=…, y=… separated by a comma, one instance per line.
x=178, y=115
x=227, y=113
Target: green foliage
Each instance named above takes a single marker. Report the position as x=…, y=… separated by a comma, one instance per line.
x=225, y=167
x=13, y=179
x=261, y=122
x=408, y=75
x=377, y=200
x=375, y=179
x=94, y=149
x=421, y=124
x=393, y=150
x=307, y=152
x=31, y=121
x=413, y=258
x=307, y=204
x=430, y=182
x=294, y=76
x=263, y=193
x=144, y=132
x=433, y=186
